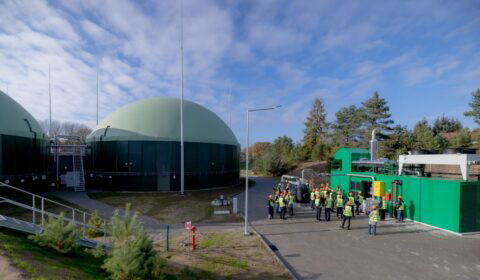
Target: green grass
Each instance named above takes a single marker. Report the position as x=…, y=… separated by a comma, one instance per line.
x=42, y=263
x=218, y=240
x=173, y=208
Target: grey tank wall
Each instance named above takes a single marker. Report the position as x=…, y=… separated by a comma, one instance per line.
x=155, y=165
x=24, y=161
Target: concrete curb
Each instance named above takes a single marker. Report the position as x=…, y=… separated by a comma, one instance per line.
x=275, y=255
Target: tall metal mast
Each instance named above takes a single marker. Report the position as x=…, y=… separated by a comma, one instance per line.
x=97, y=95
x=230, y=103
x=182, y=175
x=49, y=103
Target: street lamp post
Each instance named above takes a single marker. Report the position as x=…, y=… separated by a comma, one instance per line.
x=247, y=159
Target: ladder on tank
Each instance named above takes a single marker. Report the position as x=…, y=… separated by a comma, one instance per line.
x=78, y=171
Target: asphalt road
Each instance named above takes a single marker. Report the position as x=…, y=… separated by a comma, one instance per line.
x=321, y=250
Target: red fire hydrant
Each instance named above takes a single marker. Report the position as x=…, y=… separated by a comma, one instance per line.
x=193, y=238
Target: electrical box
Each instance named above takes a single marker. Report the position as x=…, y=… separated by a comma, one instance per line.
x=378, y=188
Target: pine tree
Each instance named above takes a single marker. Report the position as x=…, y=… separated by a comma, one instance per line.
x=475, y=106
x=132, y=255
x=97, y=222
x=316, y=126
x=347, y=126
x=445, y=124
x=398, y=142
x=58, y=234
x=463, y=139
x=424, y=137
x=376, y=115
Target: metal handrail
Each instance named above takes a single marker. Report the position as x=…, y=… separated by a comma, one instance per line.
x=44, y=198
x=84, y=224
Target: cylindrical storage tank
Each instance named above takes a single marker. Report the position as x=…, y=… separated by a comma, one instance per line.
x=137, y=148
x=23, y=146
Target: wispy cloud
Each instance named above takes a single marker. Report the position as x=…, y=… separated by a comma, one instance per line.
x=239, y=55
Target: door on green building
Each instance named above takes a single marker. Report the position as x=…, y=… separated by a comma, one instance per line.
x=367, y=189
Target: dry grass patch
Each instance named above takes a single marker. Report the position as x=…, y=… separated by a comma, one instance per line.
x=223, y=255
x=173, y=208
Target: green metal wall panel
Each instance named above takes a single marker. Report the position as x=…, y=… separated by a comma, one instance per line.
x=23, y=158
x=430, y=201
x=449, y=204
x=155, y=165
x=470, y=207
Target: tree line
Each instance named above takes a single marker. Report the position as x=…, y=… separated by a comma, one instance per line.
x=66, y=129
x=352, y=128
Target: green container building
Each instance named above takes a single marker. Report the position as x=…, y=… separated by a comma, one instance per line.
x=137, y=148
x=23, y=146
x=452, y=205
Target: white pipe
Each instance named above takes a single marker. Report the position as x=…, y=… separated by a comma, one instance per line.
x=362, y=176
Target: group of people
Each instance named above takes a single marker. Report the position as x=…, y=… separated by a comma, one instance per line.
x=280, y=202
x=325, y=198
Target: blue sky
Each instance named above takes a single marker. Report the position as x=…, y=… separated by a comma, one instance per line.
x=422, y=56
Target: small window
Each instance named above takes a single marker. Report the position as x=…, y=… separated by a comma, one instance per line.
x=336, y=165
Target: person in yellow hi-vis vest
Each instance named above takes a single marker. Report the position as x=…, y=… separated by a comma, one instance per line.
x=328, y=207
x=339, y=205
x=383, y=208
x=347, y=214
x=283, y=206
x=318, y=205
x=351, y=198
x=290, y=201
x=372, y=222
x=400, y=209
x=312, y=198
x=271, y=206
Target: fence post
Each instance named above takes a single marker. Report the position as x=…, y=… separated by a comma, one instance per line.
x=104, y=231
x=33, y=209
x=43, y=208
x=84, y=223
x=235, y=205
x=193, y=238
x=168, y=238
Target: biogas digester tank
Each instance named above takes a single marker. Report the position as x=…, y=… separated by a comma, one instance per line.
x=137, y=148
x=23, y=146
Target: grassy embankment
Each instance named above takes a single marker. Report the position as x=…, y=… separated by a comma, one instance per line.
x=173, y=208
x=41, y=263
x=219, y=255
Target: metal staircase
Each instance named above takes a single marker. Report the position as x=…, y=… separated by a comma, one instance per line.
x=35, y=226
x=79, y=174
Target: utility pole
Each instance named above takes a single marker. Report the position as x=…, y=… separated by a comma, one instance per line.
x=182, y=170
x=247, y=152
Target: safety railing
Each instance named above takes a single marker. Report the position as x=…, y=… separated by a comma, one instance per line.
x=40, y=209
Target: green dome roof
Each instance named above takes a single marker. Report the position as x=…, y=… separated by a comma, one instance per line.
x=16, y=121
x=158, y=119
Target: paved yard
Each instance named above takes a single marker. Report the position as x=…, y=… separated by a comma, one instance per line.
x=321, y=250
